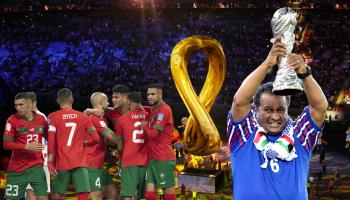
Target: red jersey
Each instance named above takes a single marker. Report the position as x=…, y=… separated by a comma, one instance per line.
x=160, y=131
x=113, y=115
x=96, y=153
x=67, y=131
x=21, y=131
x=135, y=151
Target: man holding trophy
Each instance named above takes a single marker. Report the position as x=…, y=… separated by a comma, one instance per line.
x=269, y=151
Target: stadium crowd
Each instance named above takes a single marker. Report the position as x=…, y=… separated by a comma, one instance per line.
x=91, y=51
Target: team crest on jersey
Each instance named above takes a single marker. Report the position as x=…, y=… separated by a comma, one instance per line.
x=8, y=126
x=162, y=175
x=160, y=116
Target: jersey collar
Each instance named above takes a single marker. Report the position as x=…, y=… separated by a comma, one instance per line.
x=26, y=119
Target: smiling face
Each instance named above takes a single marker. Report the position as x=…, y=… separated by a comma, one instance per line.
x=272, y=113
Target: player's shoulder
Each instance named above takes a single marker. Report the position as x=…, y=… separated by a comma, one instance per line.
x=13, y=117
x=81, y=115
x=93, y=118
x=164, y=108
x=147, y=108
x=124, y=117
x=54, y=114
x=41, y=117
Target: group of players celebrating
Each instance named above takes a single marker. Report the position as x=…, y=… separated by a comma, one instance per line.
x=77, y=144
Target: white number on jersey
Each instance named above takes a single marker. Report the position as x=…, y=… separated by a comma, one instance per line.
x=32, y=138
x=274, y=165
x=98, y=182
x=72, y=125
x=103, y=124
x=13, y=189
x=137, y=132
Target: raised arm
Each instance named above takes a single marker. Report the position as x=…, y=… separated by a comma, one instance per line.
x=241, y=100
x=315, y=96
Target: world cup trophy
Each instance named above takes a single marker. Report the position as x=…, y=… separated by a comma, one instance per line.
x=283, y=24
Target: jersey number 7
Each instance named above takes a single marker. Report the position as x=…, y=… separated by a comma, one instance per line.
x=72, y=125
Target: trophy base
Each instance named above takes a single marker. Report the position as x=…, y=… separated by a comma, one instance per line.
x=286, y=92
x=201, y=180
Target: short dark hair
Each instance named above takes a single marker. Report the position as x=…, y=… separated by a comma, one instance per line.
x=32, y=96
x=266, y=88
x=155, y=85
x=22, y=95
x=119, y=88
x=135, y=97
x=64, y=93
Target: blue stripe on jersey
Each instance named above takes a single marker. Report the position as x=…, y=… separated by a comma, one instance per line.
x=239, y=132
x=306, y=130
x=280, y=180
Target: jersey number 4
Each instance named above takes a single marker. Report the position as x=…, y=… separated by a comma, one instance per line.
x=72, y=126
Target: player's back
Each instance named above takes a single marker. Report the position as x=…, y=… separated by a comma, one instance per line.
x=71, y=127
x=134, y=139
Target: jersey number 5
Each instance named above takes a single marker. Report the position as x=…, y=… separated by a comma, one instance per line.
x=71, y=125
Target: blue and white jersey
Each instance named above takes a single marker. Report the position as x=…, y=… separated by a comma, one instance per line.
x=281, y=179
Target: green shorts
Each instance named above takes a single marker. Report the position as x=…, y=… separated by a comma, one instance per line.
x=17, y=183
x=161, y=173
x=80, y=177
x=94, y=179
x=106, y=179
x=133, y=181
x=98, y=178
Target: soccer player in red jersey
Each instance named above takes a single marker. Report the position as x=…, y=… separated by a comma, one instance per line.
x=119, y=100
x=67, y=133
x=160, y=169
x=29, y=190
x=99, y=178
x=23, y=135
x=134, y=159
x=120, y=107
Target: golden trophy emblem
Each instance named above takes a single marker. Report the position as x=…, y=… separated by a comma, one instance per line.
x=201, y=136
